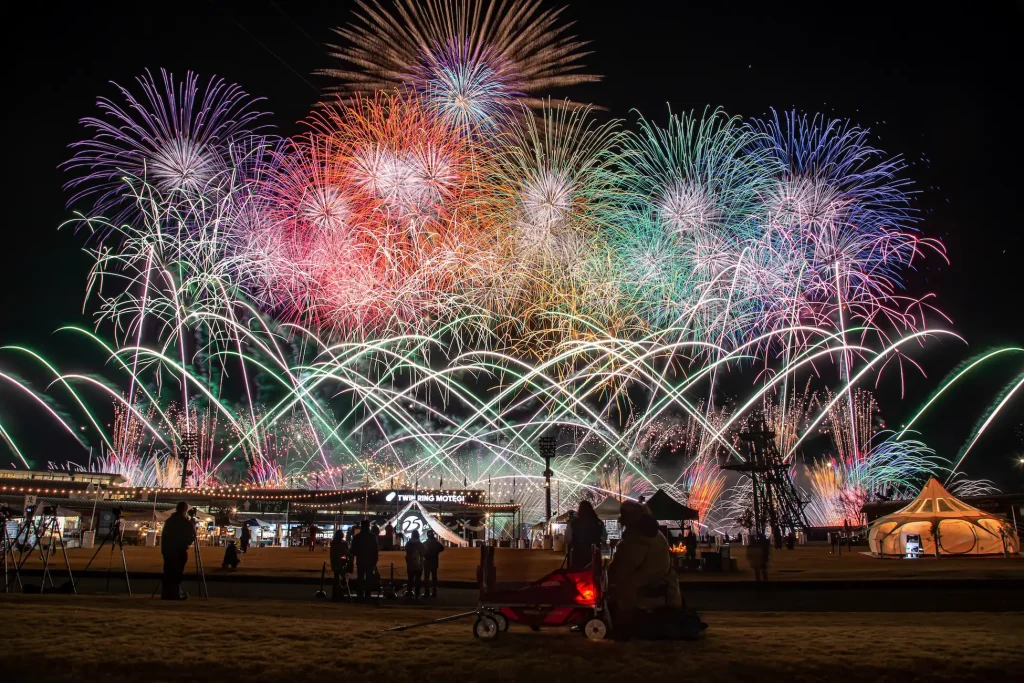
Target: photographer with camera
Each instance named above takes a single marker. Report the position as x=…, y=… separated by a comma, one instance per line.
x=178, y=535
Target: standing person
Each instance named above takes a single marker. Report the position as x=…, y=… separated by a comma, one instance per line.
x=375, y=532
x=414, y=554
x=691, y=546
x=339, y=562
x=389, y=536
x=312, y=537
x=178, y=535
x=364, y=547
x=585, y=531
x=757, y=554
x=431, y=549
x=832, y=542
x=246, y=537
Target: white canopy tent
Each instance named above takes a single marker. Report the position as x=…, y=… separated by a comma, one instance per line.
x=608, y=509
x=960, y=528
x=440, y=529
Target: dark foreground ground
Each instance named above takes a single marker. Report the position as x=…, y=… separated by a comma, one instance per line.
x=94, y=638
x=993, y=595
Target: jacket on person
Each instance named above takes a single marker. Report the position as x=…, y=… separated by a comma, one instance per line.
x=364, y=547
x=414, y=552
x=691, y=541
x=177, y=535
x=758, y=552
x=339, y=553
x=431, y=549
x=582, y=534
x=231, y=558
x=641, y=572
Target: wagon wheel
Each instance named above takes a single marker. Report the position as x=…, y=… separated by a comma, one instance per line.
x=501, y=619
x=485, y=628
x=595, y=629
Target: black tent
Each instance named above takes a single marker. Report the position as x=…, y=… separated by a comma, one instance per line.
x=664, y=508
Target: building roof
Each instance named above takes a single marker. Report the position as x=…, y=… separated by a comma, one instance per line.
x=99, y=478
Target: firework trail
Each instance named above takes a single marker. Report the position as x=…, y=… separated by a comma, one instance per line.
x=789, y=419
x=839, y=488
x=847, y=437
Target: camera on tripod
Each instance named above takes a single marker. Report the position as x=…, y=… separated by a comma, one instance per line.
x=6, y=513
x=192, y=514
x=116, y=512
x=30, y=511
x=50, y=510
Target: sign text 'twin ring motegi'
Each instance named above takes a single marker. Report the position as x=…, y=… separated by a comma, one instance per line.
x=428, y=497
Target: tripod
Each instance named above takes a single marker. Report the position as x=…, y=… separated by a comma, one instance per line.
x=50, y=527
x=116, y=537
x=23, y=556
x=7, y=545
x=200, y=572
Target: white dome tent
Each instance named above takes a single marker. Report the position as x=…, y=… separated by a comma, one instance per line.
x=941, y=524
x=415, y=516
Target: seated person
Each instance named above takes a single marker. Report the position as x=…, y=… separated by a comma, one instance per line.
x=231, y=558
x=640, y=577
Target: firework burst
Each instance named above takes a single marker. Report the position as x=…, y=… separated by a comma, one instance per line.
x=175, y=136
x=471, y=59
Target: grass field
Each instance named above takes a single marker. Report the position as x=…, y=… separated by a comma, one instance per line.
x=79, y=638
x=457, y=564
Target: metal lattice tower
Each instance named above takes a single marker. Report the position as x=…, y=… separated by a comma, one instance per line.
x=777, y=506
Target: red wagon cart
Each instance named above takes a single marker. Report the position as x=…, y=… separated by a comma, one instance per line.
x=562, y=598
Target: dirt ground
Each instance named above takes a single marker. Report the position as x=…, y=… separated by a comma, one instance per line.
x=459, y=564
x=78, y=638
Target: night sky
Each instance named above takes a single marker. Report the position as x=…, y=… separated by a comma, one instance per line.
x=938, y=87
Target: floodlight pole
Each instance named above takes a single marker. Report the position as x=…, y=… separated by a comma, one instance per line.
x=547, y=450
x=189, y=443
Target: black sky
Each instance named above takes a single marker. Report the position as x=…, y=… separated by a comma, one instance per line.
x=938, y=87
